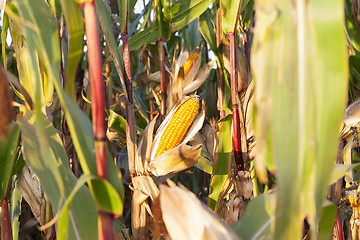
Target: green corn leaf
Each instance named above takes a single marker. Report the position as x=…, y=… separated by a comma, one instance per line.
x=185, y=13
x=258, y=220
x=15, y=210
x=106, y=25
x=300, y=77
x=352, y=29
x=328, y=215
x=40, y=16
x=47, y=156
x=222, y=166
x=8, y=156
x=207, y=30
x=75, y=27
x=163, y=22
x=181, y=14
x=4, y=30
x=117, y=122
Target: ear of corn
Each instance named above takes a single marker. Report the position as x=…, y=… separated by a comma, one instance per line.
x=178, y=126
x=190, y=61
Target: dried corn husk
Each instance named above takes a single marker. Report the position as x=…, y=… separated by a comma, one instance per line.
x=32, y=192
x=181, y=85
x=351, y=119
x=185, y=217
x=353, y=197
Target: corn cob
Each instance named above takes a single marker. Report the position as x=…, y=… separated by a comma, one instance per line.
x=190, y=61
x=178, y=126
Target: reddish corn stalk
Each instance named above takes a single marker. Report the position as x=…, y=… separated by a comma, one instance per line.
x=162, y=77
x=151, y=110
x=234, y=91
x=6, y=232
x=220, y=87
x=130, y=132
x=340, y=234
x=126, y=56
x=97, y=104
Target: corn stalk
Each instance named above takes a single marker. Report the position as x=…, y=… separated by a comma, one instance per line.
x=7, y=116
x=162, y=77
x=98, y=104
x=220, y=88
x=6, y=232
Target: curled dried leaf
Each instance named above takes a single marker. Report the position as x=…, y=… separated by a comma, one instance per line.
x=351, y=120
x=146, y=186
x=185, y=217
x=32, y=192
x=200, y=78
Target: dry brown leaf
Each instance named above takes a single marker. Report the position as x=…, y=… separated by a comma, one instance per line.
x=351, y=119
x=145, y=141
x=146, y=186
x=177, y=90
x=185, y=217
x=32, y=192
x=208, y=138
x=139, y=217
x=353, y=110
x=243, y=183
x=200, y=78
x=177, y=64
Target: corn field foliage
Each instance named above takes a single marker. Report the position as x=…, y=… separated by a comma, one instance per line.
x=179, y=119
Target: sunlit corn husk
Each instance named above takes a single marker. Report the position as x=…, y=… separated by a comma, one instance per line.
x=200, y=78
x=146, y=186
x=187, y=76
x=185, y=217
x=175, y=160
x=248, y=106
x=168, y=152
x=192, y=66
x=351, y=119
x=354, y=200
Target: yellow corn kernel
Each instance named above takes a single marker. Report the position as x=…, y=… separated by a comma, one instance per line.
x=178, y=126
x=190, y=61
